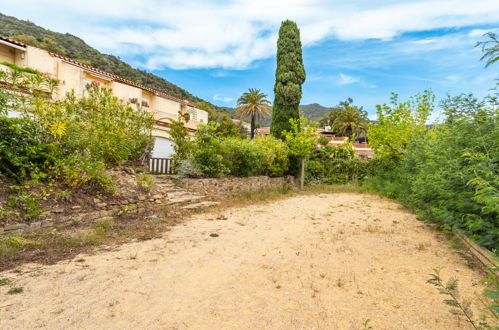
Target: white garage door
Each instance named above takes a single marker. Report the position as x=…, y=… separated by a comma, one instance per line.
x=163, y=148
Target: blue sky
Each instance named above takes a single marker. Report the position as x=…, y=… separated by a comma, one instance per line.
x=218, y=49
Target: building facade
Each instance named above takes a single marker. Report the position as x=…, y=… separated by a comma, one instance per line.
x=75, y=76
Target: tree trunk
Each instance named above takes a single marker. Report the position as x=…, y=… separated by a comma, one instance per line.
x=302, y=173
x=252, y=133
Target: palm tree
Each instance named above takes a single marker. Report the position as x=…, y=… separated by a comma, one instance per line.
x=254, y=104
x=350, y=119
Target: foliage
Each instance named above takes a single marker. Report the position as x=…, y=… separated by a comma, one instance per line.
x=27, y=80
x=23, y=148
x=109, y=129
x=301, y=141
x=490, y=48
x=301, y=138
x=255, y=105
x=182, y=144
x=449, y=174
x=290, y=75
x=207, y=156
x=275, y=155
x=145, y=182
x=26, y=201
x=336, y=165
x=242, y=157
x=458, y=307
x=79, y=170
x=346, y=119
x=398, y=122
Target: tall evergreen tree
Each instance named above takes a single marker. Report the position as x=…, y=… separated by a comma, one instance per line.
x=289, y=76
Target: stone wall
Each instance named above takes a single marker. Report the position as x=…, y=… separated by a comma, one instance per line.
x=223, y=187
x=178, y=194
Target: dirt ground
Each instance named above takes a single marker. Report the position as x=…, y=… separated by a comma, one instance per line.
x=327, y=261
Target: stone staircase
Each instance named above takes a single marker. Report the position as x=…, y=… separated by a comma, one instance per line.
x=168, y=193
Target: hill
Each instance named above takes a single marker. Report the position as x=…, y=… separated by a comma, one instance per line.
x=75, y=48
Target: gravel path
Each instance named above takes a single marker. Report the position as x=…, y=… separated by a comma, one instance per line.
x=328, y=261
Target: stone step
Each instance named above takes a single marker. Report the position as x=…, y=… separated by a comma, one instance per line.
x=182, y=200
x=199, y=205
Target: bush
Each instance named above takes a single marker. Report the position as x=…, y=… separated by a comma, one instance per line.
x=80, y=171
x=336, y=164
x=243, y=157
x=275, y=155
x=207, y=155
x=101, y=124
x=449, y=174
x=22, y=148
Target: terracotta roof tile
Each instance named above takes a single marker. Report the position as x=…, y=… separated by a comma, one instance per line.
x=12, y=41
x=120, y=79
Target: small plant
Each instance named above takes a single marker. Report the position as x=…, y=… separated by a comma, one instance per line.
x=458, y=307
x=15, y=290
x=145, y=182
x=366, y=325
x=4, y=281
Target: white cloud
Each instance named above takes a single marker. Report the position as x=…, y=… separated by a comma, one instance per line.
x=347, y=80
x=220, y=97
x=235, y=34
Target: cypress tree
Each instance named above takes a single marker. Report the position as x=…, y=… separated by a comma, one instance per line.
x=289, y=76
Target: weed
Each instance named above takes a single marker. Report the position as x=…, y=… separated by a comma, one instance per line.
x=373, y=229
x=4, y=281
x=421, y=246
x=366, y=325
x=145, y=182
x=102, y=225
x=451, y=289
x=15, y=290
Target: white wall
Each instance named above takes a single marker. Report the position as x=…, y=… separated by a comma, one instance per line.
x=163, y=148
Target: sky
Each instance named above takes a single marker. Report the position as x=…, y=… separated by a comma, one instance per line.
x=217, y=49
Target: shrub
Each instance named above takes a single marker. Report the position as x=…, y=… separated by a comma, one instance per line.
x=243, y=157
x=275, y=155
x=109, y=129
x=79, y=170
x=207, y=156
x=22, y=148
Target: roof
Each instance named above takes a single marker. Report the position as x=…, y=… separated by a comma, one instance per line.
x=113, y=76
x=12, y=41
x=120, y=79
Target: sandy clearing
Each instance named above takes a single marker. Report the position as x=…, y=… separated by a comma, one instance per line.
x=327, y=261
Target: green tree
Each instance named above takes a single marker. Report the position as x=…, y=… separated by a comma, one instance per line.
x=347, y=119
x=182, y=143
x=301, y=141
x=290, y=75
x=490, y=48
x=255, y=105
x=398, y=122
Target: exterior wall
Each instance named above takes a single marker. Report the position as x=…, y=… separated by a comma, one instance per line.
x=125, y=92
x=7, y=54
x=42, y=61
x=70, y=78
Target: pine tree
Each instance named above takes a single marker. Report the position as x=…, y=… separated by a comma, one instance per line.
x=289, y=76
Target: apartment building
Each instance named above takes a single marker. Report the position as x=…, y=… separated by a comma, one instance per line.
x=75, y=76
